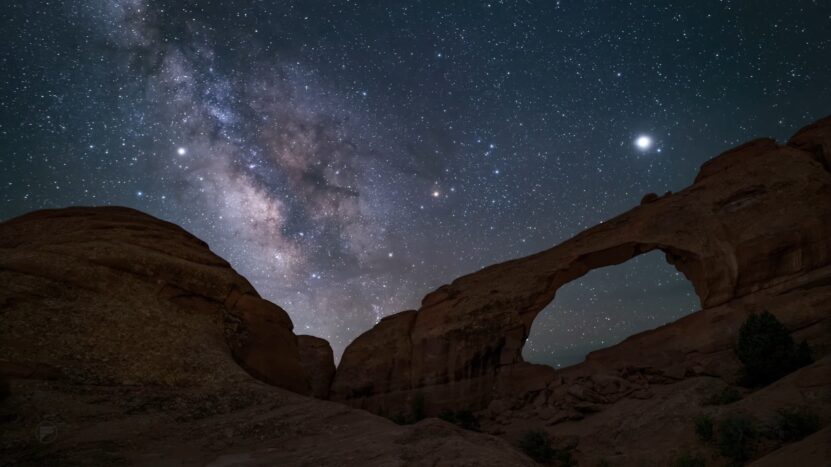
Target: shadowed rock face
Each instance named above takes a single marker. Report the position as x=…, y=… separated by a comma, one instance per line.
x=126, y=336
x=753, y=232
x=318, y=361
x=104, y=295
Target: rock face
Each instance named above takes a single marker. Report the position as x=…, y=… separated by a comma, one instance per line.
x=101, y=295
x=125, y=341
x=246, y=423
x=753, y=232
x=318, y=362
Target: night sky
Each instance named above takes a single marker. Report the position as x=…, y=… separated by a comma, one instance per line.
x=348, y=157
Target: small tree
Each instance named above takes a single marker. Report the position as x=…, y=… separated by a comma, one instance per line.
x=418, y=412
x=727, y=395
x=537, y=445
x=795, y=423
x=736, y=437
x=463, y=419
x=704, y=427
x=767, y=350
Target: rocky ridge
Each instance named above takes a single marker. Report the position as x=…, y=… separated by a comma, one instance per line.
x=126, y=341
x=752, y=233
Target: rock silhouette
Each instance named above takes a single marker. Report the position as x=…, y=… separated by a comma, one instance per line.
x=130, y=342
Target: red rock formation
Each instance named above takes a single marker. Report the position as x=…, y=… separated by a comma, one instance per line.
x=752, y=232
x=96, y=294
x=318, y=362
x=125, y=335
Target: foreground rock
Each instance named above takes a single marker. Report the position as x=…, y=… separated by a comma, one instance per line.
x=125, y=341
x=114, y=296
x=244, y=423
x=752, y=233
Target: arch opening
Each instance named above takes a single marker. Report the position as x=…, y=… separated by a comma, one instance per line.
x=607, y=305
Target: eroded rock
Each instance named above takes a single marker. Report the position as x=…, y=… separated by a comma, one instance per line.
x=318, y=361
x=752, y=232
x=100, y=295
x=126, y=338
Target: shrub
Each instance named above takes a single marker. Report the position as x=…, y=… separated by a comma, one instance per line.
x=418, y=407
x=767, y=350
x=537, y=445
x=462, y=418
x=400, y=419
x=726, y=396
x=795, y=423
x=736, y=435
x=564, y=459
x=704, y=427
x=803, y=354
x=690, y=460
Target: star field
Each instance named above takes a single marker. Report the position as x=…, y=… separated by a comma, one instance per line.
x=348, y=157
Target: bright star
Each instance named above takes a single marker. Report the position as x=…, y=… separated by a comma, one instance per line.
x=436, y=194
x=181, y=151
x=643, y=142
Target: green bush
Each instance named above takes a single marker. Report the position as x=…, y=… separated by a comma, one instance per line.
x=400, y=419
x=704, y=427
x=727, y=395
x=690, y=460
x=736, y=435
x=418, y=407
x=565, y=459
x=462, y=418
x=767, y=350
x=537, y=445
x=795, y=423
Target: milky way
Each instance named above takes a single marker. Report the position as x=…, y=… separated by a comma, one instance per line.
x=349, y=157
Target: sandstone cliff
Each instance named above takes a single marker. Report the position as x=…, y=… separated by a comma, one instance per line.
x=101, y=296
x=752, y=233
x=126, y=341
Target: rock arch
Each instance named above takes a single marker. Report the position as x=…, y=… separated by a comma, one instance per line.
x=756, y=221
x=686, y=262
x=606, y=305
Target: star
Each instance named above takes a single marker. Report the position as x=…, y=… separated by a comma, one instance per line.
x=643, y=142
x=287, y=168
